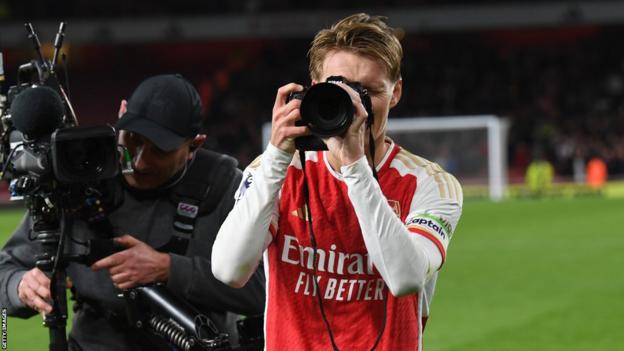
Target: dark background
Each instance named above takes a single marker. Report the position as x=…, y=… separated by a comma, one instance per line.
x=554, y=69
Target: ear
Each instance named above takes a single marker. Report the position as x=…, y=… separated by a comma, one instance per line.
x=123, y=107
x=396, y=93
x=197, y=142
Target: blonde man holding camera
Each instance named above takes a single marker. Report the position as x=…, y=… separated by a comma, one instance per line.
x=352, y=240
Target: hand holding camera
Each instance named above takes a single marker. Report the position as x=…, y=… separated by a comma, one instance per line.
x=34, y=291
x=334, y=112
x=349, y=146
x=285, y=114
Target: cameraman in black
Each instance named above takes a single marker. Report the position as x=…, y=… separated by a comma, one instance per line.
x=160, y=127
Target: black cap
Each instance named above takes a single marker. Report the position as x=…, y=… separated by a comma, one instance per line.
x=166, y=109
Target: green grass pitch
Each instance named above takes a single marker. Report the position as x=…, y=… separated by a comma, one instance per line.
x=541, y=275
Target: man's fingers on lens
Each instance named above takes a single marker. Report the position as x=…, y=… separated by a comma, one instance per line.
x=360, y=110
x=356, y=99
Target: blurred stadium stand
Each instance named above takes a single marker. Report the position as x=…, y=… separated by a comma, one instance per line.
x=43, y=9
x=556, y=69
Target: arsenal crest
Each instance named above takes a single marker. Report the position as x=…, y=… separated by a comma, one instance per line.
x=396, y=207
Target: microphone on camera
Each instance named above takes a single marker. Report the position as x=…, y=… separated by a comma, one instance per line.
x=37, y=111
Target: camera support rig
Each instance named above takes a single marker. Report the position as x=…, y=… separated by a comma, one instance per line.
x=49, y=226
x=51, y=170
x=45, y=206
x=157, y=310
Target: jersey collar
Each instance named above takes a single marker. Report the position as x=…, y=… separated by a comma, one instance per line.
x=381, y=164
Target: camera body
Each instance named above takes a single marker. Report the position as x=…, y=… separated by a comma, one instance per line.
x=327, y=109
x=52, y=164
x=41, y=144
x=84, y=154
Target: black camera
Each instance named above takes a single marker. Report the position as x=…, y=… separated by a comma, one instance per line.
x=327, y=110
x=67, y=154
x=85, y=154
x=53, y=165
x=41, y=140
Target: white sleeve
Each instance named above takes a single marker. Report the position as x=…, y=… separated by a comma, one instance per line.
x=404, y=259
x=245, y=235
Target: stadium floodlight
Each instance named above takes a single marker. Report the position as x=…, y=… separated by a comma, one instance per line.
x=473, y=148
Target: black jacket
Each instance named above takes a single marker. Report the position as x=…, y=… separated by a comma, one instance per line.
x=148, y=216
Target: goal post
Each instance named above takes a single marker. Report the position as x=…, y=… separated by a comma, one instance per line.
x=473, y=148
x=486, y=131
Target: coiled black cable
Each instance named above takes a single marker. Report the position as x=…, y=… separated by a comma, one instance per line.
x=171, y=332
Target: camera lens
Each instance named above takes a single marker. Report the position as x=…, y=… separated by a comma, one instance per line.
x=81, y=155
x=327, y=110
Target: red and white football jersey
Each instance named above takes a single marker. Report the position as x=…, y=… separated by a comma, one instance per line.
x=421, y=194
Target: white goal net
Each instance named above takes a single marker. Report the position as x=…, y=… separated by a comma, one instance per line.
x=472, y=148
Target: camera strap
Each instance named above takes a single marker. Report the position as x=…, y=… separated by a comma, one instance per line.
x=371, y=146
x=198, y=193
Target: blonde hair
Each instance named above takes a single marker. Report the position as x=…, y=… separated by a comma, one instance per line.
x=361, y=34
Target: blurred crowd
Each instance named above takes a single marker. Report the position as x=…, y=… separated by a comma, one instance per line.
x=561, y=89
x=39, y=9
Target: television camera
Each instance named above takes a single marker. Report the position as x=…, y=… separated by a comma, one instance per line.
x=58, y=168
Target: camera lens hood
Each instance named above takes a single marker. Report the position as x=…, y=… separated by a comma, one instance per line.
x=327, y=109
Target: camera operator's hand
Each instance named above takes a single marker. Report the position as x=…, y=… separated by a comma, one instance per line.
x=138, y=264
x=283, y=129
x=34, y=291
x=349, y=147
